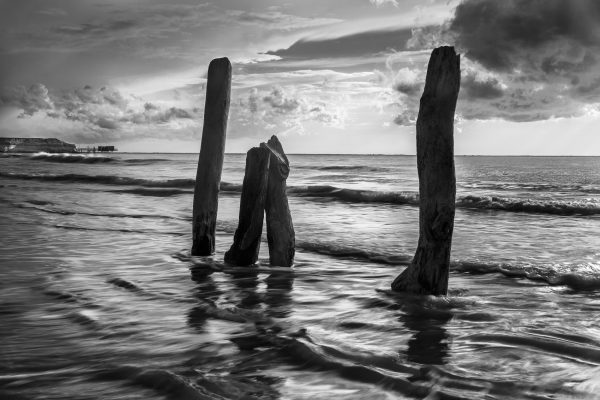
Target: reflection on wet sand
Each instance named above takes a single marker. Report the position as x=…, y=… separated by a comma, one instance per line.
x=429, y=344
x=207, y=292
x=278, y=298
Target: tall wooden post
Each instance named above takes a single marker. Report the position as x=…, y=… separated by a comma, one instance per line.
x=210, y=163
x=428, y=272
x=246, y=241
x=280, y=230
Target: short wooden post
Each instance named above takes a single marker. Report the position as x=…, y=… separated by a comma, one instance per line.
x=210, y=162
x=428, y=272
x=280, y=230
x=246, y=241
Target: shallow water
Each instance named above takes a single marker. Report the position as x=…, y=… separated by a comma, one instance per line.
x=100, y=299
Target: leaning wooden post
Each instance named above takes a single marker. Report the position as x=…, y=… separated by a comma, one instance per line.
x=280, y=230
x=428, y=272
x=210, y=163
x=246, y=241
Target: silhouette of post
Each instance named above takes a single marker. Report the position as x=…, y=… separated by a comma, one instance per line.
x=280, y=230
x=210, y=162
x=428, y=272
x=246, y=241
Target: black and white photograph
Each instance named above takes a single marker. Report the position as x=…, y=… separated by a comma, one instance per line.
x=299, y=200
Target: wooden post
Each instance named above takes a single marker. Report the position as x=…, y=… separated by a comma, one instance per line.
x=210, y=163
x=246, y=241
x=280, y=230
x=428, y=272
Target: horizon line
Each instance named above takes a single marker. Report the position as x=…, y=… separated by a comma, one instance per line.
x=368, y=154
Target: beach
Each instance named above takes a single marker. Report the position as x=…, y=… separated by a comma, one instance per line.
x=99, y=298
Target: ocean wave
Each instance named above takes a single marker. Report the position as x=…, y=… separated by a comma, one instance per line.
x=34, y=206
x=86, y=228
x=350, y=252
x=103, y=179
x=586, y=207
x=364, y=168
x=532, y=187
x=72, y=158
x=156, y=192
x=343, y=168
x=88, y=158
x=144, y=161
x=555, y=207
x=580, y=277
x=544, y=343
x=355, y=195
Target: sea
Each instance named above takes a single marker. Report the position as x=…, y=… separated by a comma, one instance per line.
x=100, y=298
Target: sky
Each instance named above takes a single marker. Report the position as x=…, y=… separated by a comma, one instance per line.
x=326, y=76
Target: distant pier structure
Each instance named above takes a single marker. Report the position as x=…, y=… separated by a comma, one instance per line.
x=94, y=149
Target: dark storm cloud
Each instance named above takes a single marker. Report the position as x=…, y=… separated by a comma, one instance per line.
x=524, y=60
x=490, y=31
x=590, y=89
x=359, y=44
x=472, y=88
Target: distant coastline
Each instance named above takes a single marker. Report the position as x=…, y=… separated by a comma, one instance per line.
x=35, y=145
x=47, y=145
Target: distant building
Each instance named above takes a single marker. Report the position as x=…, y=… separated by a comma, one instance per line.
x=35, y=145
x=106, y=148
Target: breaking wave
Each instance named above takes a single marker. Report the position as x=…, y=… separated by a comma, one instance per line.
x=86, y=158
x=72, y=158
x=579, y=277
x=555, y=207
x=585, y=276
x=586, y=207
x=103, y=179
x=532, y=187
x=354, y=195
x=357, y=168
x=349, y=252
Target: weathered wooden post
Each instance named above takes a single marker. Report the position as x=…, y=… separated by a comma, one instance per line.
x=280, y=230
x=428, y=272
x=210, y=163
x=246, y=241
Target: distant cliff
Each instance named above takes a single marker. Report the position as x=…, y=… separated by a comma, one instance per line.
x=34, y=145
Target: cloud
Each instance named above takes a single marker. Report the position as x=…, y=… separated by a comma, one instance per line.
x=29, y=100
x=408, y=81
x=95, y=29
x=497, y=34
x=362, y=44
x=473, y=88
x=404, y=119
x=95, y=109
x=53, y=12
x=276, y=20
x=523, y=60
x=285, y=109
x=380, y=3
x=106, y=123
x=280, y=103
